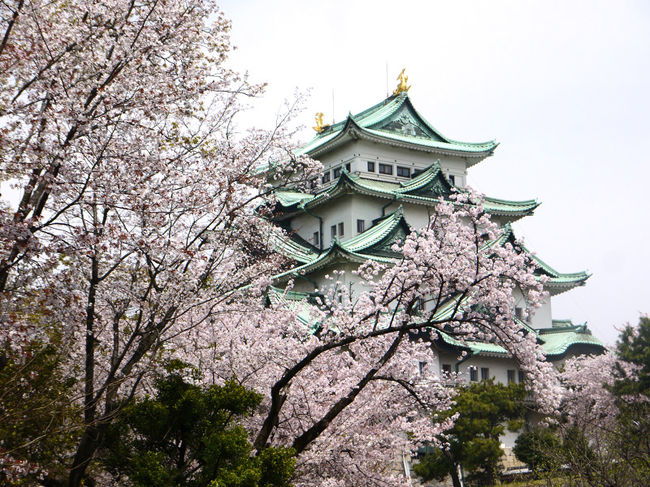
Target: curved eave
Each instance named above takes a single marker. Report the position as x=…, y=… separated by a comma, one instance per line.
x=488, y=350
x=566, y=282
x=561, y=351
x=377, y=233
x=451, y=342
x=335, y=254
x=444, y=148
x=517, y=209
x=422, y=179
x=294, y=250
x=353, y=131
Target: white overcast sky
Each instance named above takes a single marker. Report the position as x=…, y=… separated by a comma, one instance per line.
x=562, y=85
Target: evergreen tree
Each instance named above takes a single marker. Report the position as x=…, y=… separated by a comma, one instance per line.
x=485, y=409
x=189, y=436
x=633, y=346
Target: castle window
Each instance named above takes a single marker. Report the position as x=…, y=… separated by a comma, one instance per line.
x=333, y=231
x=326, y=177
x=485, y=373
x=336, y=173
x=316, y=239
x=519, y=312
x=422, y=367
x=371, y=166
x=446, y=368
x=522, y=376
x=348, y=168
x=473, y=374
x=361, y=226
x=452, y=179
x=403, y=172
x=511, y=376
x=341, y=232
x=385, y=169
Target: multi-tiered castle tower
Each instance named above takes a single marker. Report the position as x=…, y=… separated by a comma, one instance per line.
x=384, y=170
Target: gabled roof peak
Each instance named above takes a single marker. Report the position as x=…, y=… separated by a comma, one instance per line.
x=394, y=121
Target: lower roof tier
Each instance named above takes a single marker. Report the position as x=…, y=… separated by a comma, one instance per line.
x=556, y=342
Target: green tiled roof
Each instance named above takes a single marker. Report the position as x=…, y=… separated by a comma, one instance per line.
x=294, y=249
x=394, y=121
x=387, y=230
x=562, y=323
x=501, y=207
x=426, y=188
x=291, y=198
x=373, y=244
x=559, y=282
x=335, y=254
x=557, y=341
x=297, y=302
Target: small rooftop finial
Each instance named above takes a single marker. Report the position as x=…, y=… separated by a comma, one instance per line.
x=320, y=126
x=402, y=86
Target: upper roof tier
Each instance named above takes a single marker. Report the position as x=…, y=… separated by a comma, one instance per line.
x=425, y=189
x=394, y=121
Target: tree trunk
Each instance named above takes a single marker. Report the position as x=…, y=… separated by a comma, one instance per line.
x=455, y=479
x=88, y=445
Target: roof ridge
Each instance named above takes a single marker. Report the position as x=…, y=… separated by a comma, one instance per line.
x=500, y=200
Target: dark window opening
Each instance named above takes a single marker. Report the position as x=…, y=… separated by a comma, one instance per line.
x=361, y=226
x=452, y=179
x=519, y=312
x=371, y=166
x=341, y=232
x=385, y=169
x=422, y=367
x=316, y=239
x=485, y=373
x=511, y=376
x=326, y=177
x=522, y=376
x=473, y=374
x=348, y=168
x=403, y=172
x=446, y=368
x=333, y=231
x=336, y=173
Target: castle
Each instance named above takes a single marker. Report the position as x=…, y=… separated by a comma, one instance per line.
x=384, y=169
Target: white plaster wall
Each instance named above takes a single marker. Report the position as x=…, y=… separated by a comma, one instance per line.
x=305, y=225
x=539, y=317
x=542, y=317
x=350, y=208
x=498, y=368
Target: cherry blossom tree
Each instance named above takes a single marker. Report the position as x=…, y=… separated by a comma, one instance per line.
x=602, y=425
x=137, y=193
x=346, y=394
x=138, y=237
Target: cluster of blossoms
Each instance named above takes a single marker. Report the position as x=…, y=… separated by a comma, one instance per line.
x=589, y=400
x=344, y=390
x=13, y=470
x=138, y=237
